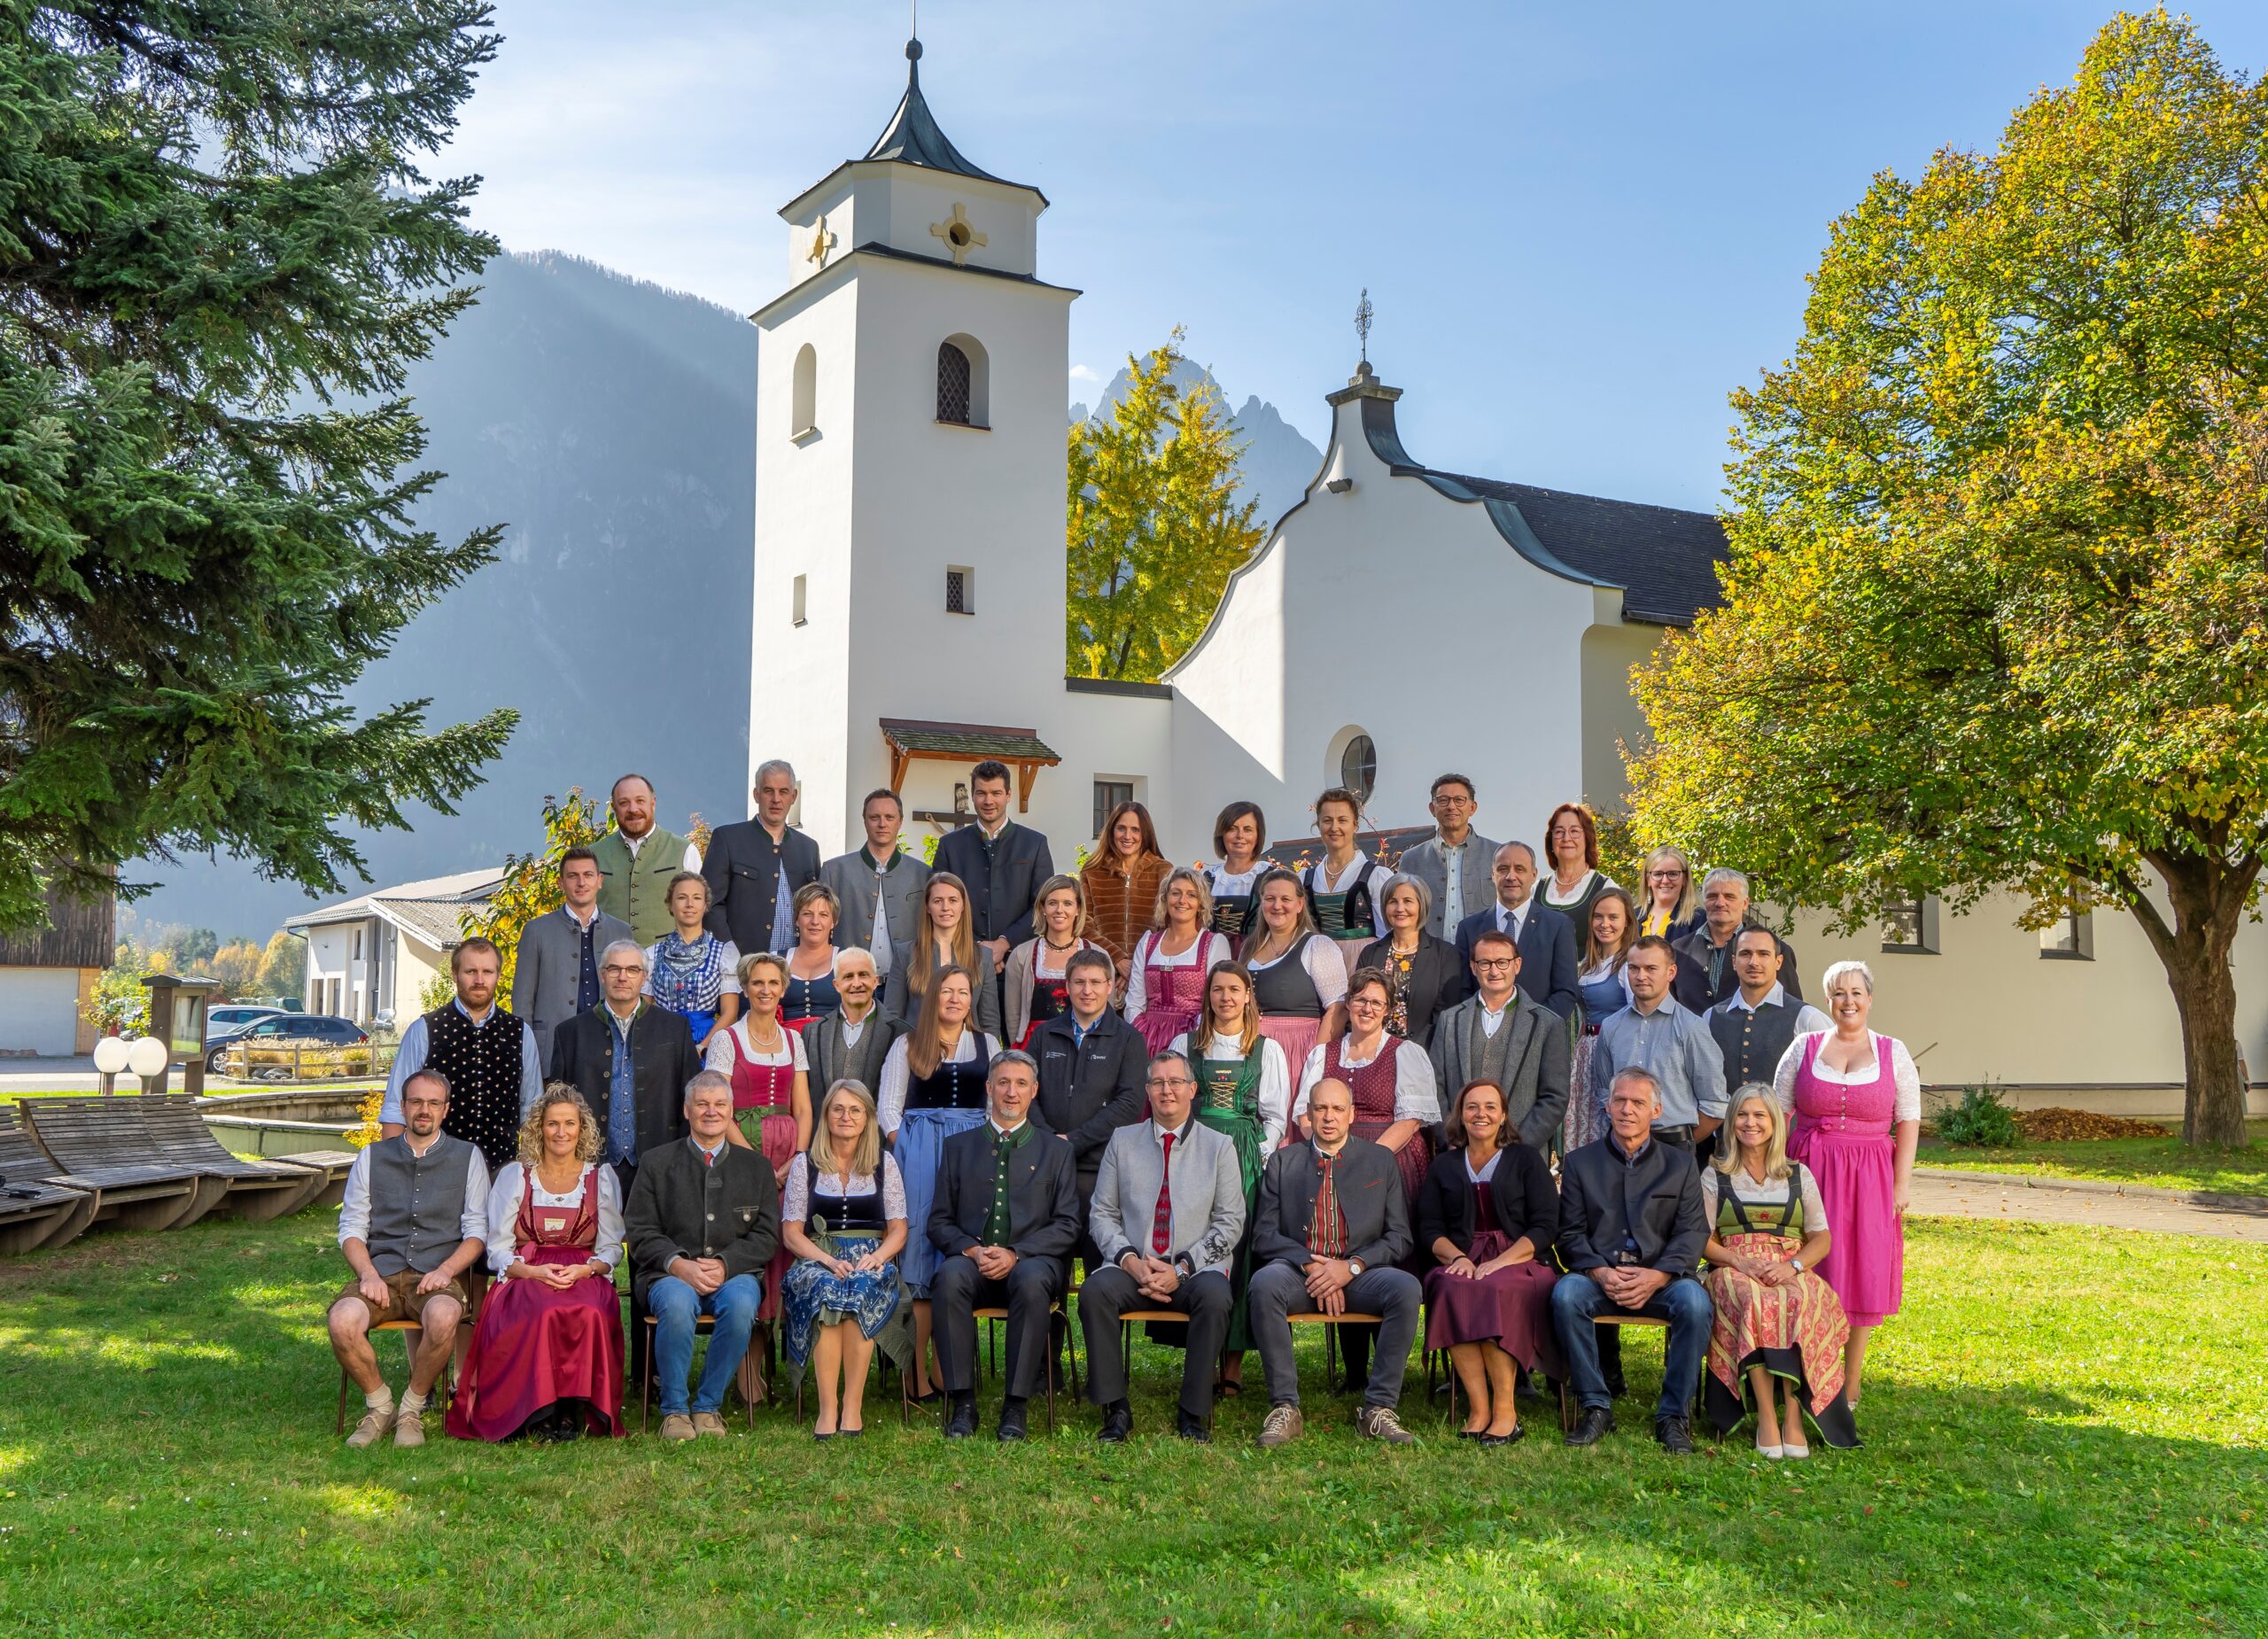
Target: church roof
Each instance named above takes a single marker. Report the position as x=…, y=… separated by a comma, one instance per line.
x=912, y=137
x=1664, y=558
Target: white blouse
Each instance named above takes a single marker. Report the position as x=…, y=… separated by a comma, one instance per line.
x=1908, y=1080
x=1227, y=884
x=1208, y=948
x=1547, y=888
x=1415, y=1096
x=1275, y=1080
x=504, y=1215
x=1325, y=885
x=729, y=1047
x=1748, y=1190
x=1325, y=963
x=897, y=1078
x=795, y=1204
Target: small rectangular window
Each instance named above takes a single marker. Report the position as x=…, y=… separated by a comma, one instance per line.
x=796, y=615
x=1109, y=795
x=2070, y=939
x=1910, y=925
x=960, y=590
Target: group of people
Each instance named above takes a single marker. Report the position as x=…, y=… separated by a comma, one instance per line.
x=1241, y=1096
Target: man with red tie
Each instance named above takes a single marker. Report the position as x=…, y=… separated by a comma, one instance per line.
x=1167, y=1216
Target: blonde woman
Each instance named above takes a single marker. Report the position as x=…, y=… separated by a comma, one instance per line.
x=1038, y=975
x=1165, y=990
x=546, y=1356
x=1779, y=1329
x=945, y=935
x=1670, y=895
x=691, y=971
x=772, y=1094
x=843, y=1220
x=811, y=959
x=1299, y=977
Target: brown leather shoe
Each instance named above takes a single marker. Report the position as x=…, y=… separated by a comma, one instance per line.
x=1283, y=1426
x=410, y=1426
x=1380, y=1423
x=707, y=1423
x=677, y=1425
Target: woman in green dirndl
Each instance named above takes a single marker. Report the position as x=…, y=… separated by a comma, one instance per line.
x=1244, y=1090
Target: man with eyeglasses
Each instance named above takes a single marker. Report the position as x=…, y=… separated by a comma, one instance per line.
x=1499, y=1036
x=1455, y=862
x=631, y=1062
x=1168, y=1213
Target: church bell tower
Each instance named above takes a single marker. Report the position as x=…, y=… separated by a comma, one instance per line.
x=910, y=434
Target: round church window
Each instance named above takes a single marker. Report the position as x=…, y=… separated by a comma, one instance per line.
x=1358, y=766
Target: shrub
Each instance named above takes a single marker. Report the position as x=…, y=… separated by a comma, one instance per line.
x=1980, y=1121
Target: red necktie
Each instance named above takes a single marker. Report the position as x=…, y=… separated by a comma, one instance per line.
x=707, y=1158
x=1161, y=1222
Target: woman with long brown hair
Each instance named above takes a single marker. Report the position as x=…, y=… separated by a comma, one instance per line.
x=932, y=1087
x=1601, y=994
x=945, y=935
x=1121, y=882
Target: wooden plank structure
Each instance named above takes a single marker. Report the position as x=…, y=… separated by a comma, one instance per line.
x=911, y=739
x=35, y=1210
x=98, y=1143
x=258, y=1190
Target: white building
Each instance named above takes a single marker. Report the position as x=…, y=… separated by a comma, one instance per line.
x=370, y=958
x=909, y=617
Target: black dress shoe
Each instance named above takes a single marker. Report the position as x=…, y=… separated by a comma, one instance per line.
x=1676, y=1435
x=1117, y=1423
x=1192, y=1428
x=1594, y=1425
x=962, y=1423
x=1519, y=1433
x=1012, y=1420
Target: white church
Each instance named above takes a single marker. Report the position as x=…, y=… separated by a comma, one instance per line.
x=909, y=619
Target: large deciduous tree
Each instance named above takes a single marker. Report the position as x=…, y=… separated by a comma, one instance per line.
x=1155, y=527
x=217, y=257
x=1996, y=615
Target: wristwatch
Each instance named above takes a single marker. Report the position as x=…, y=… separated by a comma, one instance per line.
x=1354, y=1266
x=1797, y=1264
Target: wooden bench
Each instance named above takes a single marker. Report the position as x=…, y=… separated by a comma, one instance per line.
x=99, y=1144
x=333, y=1164
x=34, y=1209
x=258, y=1190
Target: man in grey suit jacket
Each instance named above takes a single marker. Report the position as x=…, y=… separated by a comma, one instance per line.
x=1499, y=1036
x=555, y=967
x=877, y=887
x=1456, y=861
x=1168, y=1212
x=1332, y=1249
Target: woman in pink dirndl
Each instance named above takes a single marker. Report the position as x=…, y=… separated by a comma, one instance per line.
x=1857, y=1101
x=771, y=1098
x=1165, y=981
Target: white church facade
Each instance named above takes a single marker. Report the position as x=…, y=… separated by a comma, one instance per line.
x=909, y=621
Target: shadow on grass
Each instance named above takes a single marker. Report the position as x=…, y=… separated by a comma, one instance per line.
x=166, y=1408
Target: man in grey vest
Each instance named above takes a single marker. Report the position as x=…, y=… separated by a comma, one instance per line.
x=1456, y=861
x=556, y=973
x=1500, y=1037
x=1755, y=1025
x=413, y=1220
x=637, y=858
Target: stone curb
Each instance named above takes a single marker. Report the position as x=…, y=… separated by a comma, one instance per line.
x=2101, y=1186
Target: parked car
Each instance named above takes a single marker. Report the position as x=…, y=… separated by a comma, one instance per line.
x=298, y=1047
x=226, y=1022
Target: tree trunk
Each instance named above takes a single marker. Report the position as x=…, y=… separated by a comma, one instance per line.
x=2209, y=902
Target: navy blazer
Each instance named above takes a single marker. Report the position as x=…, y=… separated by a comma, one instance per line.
x=1001, y=895
x=1548, y=969
x=1043, y=1195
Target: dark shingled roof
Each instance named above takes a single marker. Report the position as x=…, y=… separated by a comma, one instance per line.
x=1664, y=559
x=912, y=137
x=974, y=740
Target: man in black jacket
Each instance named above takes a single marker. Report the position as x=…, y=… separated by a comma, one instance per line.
x=1006, y=1219
x=1546, y=939
x=1328, y=1228
x=755, y=866
x=1632, y=1227
x=1003, y=864
x=631, y=1062
x=703, y=1221
x=1707, y=971
x=1091, y=1063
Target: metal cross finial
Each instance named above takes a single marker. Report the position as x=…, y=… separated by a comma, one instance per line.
x=1363, y=322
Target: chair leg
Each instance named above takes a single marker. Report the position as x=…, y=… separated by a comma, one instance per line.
x=991, y=1342
x=1330, y=1357
x=646, y=1383
x=1566, y=1409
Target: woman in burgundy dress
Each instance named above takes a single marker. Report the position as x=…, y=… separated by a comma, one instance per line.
x=1165, y=986
x=546, y=1356
x=1395, y=1101
x=1487, y=1215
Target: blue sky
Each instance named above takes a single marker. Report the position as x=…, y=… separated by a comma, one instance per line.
x=1581, y=224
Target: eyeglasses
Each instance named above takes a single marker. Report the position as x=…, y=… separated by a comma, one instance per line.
x=1157, y=1084
x=1494, y=962
x=619, y=967
x=1665, y=876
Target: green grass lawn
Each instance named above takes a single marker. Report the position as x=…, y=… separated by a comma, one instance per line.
x=2067, y=1435
x=2166, y=1163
